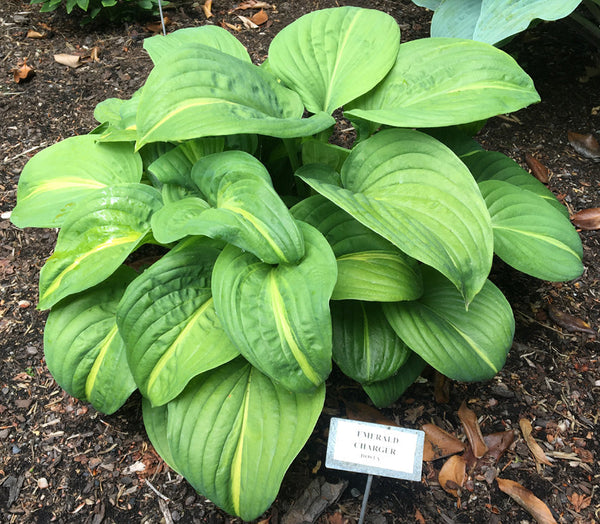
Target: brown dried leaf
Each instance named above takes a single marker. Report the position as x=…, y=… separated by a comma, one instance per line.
x=95, y=54
x=366, y=413
x=588, y=219
x=579, y=501
x=439, y=443
x=35, y=34
x=252, y=4
x=538, y=170
x=498, y=443
x=468, y=419
x=207, y=8
x=73, y=61
x=441, y=388
x=534, y=447
x=569, y=322
x=156, y=27
x=22, y=71
x=453, y=475
x=527, y=500
x=248, y=24
x=585, y=145
x=260, y=18
x=227, y=25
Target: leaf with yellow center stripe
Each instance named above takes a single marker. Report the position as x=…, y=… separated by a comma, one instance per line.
x=278, y=316
x=101, y=231
x=168, y=320
x=59, y=176
x=83, y=348
x=233, y=432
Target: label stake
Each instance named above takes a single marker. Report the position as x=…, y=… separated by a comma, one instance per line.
x=363, y=509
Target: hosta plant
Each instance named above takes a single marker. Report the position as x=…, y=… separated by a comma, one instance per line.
x=281, y=252
x=93, y=8
x=493, y=21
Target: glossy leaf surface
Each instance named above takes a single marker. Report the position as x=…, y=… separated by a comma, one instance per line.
x=230, y=427
x=442, y=82
x=83, y=348
x=278, y=316
x=413, y=191
x=531, y=235
x=332, y=56
x=462, y=344
x=97, y=237
x=167, y=319
x=68, y=171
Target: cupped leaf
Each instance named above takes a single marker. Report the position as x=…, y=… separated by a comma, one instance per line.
x=98, y=235
x=335, y=55
x=493, y=21
x=278, y=316
x=201, y=91
x=365, y=347
x=120, y=115
x=168, y=321
x=68, y=171
x=83, y=348
x=155, y=423
x=492, y=165
x=531, y=235
x=233, y=433
x=411, y=189
x=161, y=46
x=386, y=392
x=442, y=81
x=462, y=344
x=317, y=152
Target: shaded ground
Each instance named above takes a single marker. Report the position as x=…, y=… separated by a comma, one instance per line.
x=60, y=461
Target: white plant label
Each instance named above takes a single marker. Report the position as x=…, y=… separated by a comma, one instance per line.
x=386, y=451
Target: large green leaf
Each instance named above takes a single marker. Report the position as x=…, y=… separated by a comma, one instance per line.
x=60, y=175
x=83, y=349
x=168, y=321
x=119, y=118
x=161, y=46
x=247, y=211
x=233, y=433
x=278, y=316
x=531, y=235
x=201, y=91
x=492, y=21
x=98, y=235
x=365, y=347
x=332, y=56
x=492, y=165
x=443, y=81
x=386, y=392
x=415, y=192
x=369, y=267
x=462, y=344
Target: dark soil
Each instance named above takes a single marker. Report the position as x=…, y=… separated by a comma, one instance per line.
x=63, y=462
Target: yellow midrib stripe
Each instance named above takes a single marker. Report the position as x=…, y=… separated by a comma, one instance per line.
x=370, y=256
x=104, y=345
x=236, y=463
x=64, y=183
x=542, y=238
x=285, y=332
x=105, y=245
x=162, y=362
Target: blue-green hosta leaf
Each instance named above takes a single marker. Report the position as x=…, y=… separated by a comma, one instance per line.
x=412, y=190
x=369, y=267
x=278, y=316
x=492, y=165
x=203, y=92
x=531, y=235
x=167, y=319
x=160, y=46
x=386, y=392
x=462, y=344
x=99, y=234
x=334, y=55
x=365, y=347
x=68, y=171
x=175, y=167
x=492, y=21
x=442, y=82
x=233, y=433
x=429, y=4
x=83, y=348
